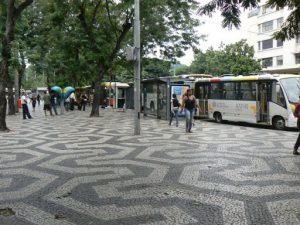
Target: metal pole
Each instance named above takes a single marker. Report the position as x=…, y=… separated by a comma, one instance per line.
x=137, y=66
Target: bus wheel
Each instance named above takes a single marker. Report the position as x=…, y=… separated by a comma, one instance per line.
x=218, y=117
x=278, y=123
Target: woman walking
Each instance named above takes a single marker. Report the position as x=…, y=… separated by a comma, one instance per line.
x=174, y=109
x=189, y=105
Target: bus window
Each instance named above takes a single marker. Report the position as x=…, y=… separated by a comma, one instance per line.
x=229, y=91
x=279, y=99
x=246, y=91
x=216, y=91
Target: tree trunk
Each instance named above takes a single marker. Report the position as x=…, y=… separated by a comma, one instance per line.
x=3, y=81
x=3, y=102
x=17, y=91
x=97, y=94
x=11, y=101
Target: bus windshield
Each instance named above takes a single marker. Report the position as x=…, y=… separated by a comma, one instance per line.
x=292, y=88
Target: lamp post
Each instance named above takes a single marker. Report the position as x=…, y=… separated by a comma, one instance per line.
x=137, y=67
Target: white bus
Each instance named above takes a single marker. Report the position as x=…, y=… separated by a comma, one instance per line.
x=261, y=99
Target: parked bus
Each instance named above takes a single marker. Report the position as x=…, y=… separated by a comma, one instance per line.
x=261, y=99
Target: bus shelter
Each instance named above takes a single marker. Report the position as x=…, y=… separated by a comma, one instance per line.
x=155, y=98
x=157, y=94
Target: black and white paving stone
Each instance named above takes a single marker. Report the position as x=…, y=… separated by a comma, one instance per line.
x=73, y=169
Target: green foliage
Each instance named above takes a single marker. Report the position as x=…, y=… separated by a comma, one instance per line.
x=183, y=70
x=65, y=43
x=153, y=68
x=235, y=58
x=230, y=10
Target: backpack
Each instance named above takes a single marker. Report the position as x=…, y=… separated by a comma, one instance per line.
x=176, y=102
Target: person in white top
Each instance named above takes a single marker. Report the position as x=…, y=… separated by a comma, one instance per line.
x=72, y=101
x=25, y=107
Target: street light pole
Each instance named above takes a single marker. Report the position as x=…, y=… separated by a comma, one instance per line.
x=137, y=67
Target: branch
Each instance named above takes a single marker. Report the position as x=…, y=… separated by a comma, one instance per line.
x=21, y=7
x=85, y=26
x=109, y=18
x=126, y=27
x=95, y=11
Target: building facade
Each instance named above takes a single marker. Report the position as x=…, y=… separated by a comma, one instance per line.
x=275, y=56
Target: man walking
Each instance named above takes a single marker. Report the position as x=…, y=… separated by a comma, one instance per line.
x=25, y=107
x=297, y=115
x=53, y=102
x=47, y=100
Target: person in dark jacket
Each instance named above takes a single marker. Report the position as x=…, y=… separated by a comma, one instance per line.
x=189, y=105
x=297, y=115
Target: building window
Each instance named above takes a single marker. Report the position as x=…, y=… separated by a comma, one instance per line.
x=267, y=26
x=279, y=60
x=267, y=62
x=265, y=9
x=279, y=22
x=297, y=58
x=254, y=12
x=266, y=44
x=279, y=43
x=259, y=46
x=298, y=39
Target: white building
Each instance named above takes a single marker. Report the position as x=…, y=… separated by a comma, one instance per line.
x=276, y=56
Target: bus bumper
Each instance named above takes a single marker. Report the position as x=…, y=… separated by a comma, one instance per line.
x=292, y=121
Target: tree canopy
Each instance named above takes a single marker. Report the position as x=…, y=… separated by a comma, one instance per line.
x=234, y=58
x=82, y=42
x=231, y=10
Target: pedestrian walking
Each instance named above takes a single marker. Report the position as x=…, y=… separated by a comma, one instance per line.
x=174, y=109
x=38, y=98
x=189, y=105
x=67, y=104
x=72, y=101
x=53, y=102
x=33, y=102
x=83, y=102
x=297, y=115
x=25, y=109
x=47, y=101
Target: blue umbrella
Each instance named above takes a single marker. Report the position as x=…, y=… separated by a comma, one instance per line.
x=68, y=90
x=56, y=89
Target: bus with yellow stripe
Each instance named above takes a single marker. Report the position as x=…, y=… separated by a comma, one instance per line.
x=261, y=99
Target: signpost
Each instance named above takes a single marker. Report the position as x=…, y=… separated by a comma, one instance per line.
x=137, y=67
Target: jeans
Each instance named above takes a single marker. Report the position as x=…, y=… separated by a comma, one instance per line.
x=25, y=111
x=297, y=144
x=53, y=105
x=174, y=113
x=67, y=106
x=189, y=115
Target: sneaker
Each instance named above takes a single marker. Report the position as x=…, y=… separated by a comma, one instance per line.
x=295, y=152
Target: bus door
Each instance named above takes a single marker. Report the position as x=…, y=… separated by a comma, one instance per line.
x=201, y=94
x=262, y=103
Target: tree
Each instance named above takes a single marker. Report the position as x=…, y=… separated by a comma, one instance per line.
x=231, y=10
x=154, y=67
x=84, y=41
x=235, y=58
x=13, y=13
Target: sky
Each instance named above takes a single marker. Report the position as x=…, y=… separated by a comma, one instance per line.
x=216, y=34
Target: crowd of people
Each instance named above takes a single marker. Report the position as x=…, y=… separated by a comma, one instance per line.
x=51, y=101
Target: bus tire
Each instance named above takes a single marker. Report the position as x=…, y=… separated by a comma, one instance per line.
x=278, y=123
x=218, y=117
